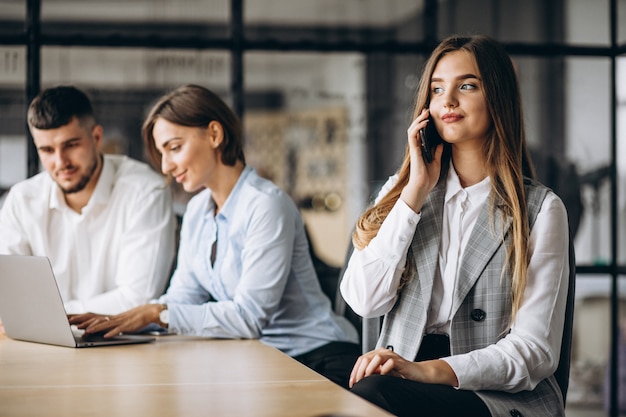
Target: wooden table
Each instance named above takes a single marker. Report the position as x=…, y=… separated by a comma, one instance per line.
x=173, y=376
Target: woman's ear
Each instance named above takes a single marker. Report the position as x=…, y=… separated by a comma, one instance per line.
x=216, y=133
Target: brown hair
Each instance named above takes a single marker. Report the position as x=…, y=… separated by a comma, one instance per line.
x=506, y=155
x=195, y=106
x=57, y=106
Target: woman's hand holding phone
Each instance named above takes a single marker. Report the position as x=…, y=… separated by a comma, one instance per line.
x=423, y=175
x=429, y=140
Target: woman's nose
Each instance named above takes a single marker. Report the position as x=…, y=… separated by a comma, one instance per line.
x=450, y=99
x=166, y=165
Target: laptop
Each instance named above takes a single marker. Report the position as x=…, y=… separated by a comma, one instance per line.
x=31, y=308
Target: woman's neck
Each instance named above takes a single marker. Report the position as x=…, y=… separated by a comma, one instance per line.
x=469, y=166
x=224, y=184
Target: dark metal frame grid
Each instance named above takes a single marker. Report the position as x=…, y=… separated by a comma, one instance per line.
x=235, y=42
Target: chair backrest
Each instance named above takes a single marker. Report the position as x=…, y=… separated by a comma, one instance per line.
x=369, y=328
x=562, y=371
x=326, y=274
x=342, y=308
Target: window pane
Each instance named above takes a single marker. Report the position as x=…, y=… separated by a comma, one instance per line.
x=13, y=137
x=149, y=20
x=542, y=87
x=534, y=21
x=334, y=20
x=587, y=22
x=587, y=393
x=12, y=16
x=124, y=82
x=587, y=131
x=136, y=10
x=621, y=22
x=567, y=114
x=304, y=130
x=392, y=82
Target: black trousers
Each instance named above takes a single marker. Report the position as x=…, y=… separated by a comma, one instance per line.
x=333, y=360
x=403, y=397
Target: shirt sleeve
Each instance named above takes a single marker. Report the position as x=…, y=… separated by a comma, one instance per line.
x=264, y=258
x=371, y=279
x=146, y=255
x=530, y=352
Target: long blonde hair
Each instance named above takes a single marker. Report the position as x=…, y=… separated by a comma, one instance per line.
x=506, y=155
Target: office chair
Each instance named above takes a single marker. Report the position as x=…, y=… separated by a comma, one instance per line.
x=369, y=328
x=562, y=371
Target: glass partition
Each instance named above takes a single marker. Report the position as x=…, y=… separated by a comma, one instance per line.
x=588, y=140
x=531, y=21
x=589, y=376
x=123, y=83
x=13, y=137
x=12, y=11
x=578, y=17
x=621, y=22
x=304, y=130
x=144, y=21
x=371, y=21
x=146, y=11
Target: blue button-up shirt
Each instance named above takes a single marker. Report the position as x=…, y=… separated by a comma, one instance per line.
x=262, y=282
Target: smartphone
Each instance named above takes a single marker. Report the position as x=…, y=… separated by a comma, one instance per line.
x=429, y=139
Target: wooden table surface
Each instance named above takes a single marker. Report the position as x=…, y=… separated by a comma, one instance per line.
x=174, y=376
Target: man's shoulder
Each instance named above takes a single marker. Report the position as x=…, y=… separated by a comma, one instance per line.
x=32, y=187
x=30, y=197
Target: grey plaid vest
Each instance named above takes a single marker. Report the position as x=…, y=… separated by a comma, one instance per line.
x=480, y=278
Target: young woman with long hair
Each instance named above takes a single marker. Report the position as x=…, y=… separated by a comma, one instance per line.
x=466, y=256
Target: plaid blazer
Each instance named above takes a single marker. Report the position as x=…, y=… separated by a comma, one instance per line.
x=479, y=280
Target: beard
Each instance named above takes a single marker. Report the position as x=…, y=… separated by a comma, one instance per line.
x=84, y=180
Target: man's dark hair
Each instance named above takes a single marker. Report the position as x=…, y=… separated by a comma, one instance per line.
x=56, y=106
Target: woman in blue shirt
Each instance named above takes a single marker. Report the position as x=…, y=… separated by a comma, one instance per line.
x=244, y=268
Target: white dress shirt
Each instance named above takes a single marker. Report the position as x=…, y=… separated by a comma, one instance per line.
x=461, y=209
x=113, y=256
x=532, y=347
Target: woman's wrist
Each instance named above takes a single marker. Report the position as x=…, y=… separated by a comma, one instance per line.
x=436, y=372
x=163, y=317
x=412, y=198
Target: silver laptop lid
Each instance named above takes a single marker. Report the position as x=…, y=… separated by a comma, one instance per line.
x=31, y=307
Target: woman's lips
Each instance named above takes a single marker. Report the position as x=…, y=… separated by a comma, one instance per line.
x=451, y=117
x=180, y=177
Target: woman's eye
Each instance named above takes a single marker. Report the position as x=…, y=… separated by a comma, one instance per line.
x=468, y=87
x=436, y=90
x=174, y=148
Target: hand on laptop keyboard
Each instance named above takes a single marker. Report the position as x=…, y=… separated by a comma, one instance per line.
x=130, y=321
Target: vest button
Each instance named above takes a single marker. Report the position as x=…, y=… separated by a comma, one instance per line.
x=478, y=315
x=515, y=413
